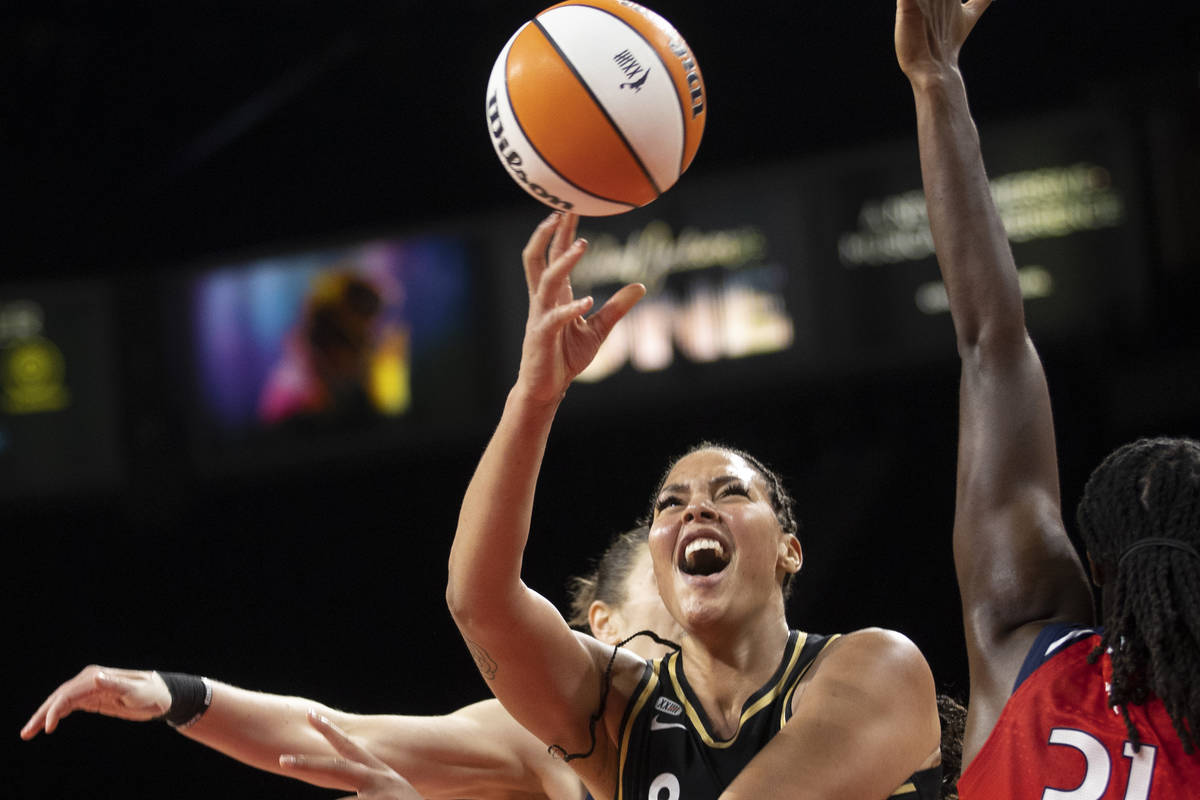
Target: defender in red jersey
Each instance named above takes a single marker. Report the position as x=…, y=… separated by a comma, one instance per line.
x=1111, y=713
x=1059, y=734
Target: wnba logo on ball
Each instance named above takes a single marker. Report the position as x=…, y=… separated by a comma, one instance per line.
x=630, y=66
x=571, y=135
x=680, y=49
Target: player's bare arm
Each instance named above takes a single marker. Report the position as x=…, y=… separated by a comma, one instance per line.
x=1016, y=567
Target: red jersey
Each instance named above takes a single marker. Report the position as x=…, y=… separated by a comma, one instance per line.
x=1059, y=739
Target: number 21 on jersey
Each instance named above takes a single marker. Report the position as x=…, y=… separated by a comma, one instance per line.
x=1099, y=767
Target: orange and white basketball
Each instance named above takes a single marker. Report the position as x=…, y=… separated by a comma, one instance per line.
x=596, y=106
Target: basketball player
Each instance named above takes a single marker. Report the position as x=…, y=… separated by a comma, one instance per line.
x=1057, y=708
x=476, y=751
x=761, y=707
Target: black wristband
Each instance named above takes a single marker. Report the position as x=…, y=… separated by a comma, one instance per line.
x=190, y=698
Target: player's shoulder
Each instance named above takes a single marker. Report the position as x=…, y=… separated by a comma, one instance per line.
x=875, y=679
x=876, y=644
x=872, y=657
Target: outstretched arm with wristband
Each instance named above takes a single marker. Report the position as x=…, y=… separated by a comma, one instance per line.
x=477, y=749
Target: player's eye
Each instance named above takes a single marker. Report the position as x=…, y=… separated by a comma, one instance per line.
x=666, y=501
x=734, y=488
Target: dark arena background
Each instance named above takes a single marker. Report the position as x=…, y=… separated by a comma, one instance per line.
x=176, y=174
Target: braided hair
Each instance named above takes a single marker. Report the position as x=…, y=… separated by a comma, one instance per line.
x=1149, y=489
x=953, y=717
x=781, y=500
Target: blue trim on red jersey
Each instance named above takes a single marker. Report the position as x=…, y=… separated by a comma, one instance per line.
x=1050, y=641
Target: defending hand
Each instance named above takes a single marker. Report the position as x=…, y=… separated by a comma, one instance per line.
x=137, y=695
x=930, y=33
x=354, y=766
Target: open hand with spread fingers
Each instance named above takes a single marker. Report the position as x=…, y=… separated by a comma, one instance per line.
x=559, y=341
x=354, y=766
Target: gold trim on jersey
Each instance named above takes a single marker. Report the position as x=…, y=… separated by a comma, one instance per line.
x=905, y=788
x=758, y=705
x=785, y=711
x=631, y=717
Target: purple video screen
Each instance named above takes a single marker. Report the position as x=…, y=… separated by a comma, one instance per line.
x=369, y=337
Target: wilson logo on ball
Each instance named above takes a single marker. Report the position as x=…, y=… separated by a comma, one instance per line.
x=596, y=106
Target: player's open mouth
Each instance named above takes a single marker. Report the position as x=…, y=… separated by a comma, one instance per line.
x=703, y=556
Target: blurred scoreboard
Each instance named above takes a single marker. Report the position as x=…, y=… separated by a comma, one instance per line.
x=59, y=422
x=1068, y=196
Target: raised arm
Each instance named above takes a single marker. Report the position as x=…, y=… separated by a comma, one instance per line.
x=546, y=675
x=476, y=750
x=1016, y=567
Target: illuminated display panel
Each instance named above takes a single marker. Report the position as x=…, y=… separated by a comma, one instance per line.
x=334, y=350
x=714, y=294
x=59, y=425
x=727, y=297
x=1068, y=196
x=824, y=266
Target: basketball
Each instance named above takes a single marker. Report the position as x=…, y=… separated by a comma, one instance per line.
x=596, y=106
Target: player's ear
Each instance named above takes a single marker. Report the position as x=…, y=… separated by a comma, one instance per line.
x=604, y=623
x=791, y=555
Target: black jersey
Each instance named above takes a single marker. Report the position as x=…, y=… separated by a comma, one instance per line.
x=668, y=751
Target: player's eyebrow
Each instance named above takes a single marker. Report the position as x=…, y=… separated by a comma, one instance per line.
x=713, y=483
x=721, y=480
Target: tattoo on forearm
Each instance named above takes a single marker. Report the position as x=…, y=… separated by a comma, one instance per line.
x=485, y=663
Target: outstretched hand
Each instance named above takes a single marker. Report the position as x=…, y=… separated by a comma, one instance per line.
x=123, y=693
x=559, y=341
x=354, y=766
x=930, y=33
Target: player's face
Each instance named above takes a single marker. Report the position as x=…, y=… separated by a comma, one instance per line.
x=643, y=610
x=715, y=541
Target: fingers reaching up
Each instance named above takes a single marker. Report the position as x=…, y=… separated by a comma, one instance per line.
x=930, y=33
x=565, y=230
x=354, y=766
x=559, y=341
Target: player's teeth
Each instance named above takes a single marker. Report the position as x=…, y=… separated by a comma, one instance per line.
x=702, y=544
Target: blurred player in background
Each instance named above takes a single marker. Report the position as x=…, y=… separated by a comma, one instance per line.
x=325, y=371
